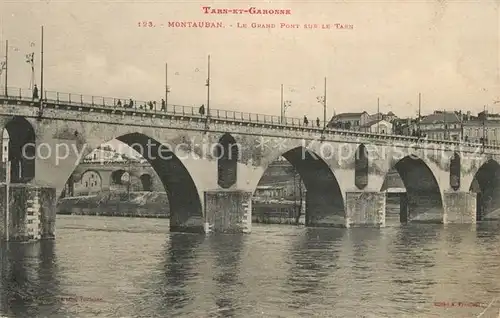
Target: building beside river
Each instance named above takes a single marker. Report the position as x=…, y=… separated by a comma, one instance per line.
x=485, y=127
x=280, y=195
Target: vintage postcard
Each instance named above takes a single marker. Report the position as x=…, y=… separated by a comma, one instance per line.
x=250, y=158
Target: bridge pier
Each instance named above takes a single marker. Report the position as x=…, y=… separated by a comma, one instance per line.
x=365, y=209
x=228, y=211
x=32, y=212
x=459, y=207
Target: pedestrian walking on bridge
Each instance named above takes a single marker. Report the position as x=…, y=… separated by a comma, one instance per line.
x=35, y=92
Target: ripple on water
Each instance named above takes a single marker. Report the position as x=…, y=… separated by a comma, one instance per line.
x=135, y=268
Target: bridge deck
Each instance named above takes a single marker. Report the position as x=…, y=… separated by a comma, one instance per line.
x=91, y=103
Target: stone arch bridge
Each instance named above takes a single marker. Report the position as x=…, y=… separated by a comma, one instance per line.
x=210, y=166
x=110, y=174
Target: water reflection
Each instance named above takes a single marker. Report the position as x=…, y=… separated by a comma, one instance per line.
x=30, y=285
x=485, y=274
x=277, y=271
x=313, y=259
x=179, y=269
x=487, y=231
x=167, y=292
x=408, y=263
x=227, y=251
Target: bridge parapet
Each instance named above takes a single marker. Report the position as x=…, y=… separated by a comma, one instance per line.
x=108, y=105
x=288, y=128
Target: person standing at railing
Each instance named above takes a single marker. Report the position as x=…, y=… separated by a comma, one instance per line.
x=154, y=105
x=202, y=110
x=131, y=103
x=317, y=121
x=150, y=105
x=119, y=103
x=35, y=92
x=163, y=105
x=306, y=122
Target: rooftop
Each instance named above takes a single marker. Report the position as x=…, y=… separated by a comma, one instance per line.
x=479, y=122
x=343, y=115
x=441, y=117
x=373, y=122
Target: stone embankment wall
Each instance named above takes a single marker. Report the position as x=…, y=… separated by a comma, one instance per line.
x=140, y=204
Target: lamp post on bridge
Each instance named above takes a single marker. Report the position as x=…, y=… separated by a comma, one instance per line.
x=419, y=114
x=207, y=84
x=7, y=163
x=378, y=115
x=3, y=65
x=208, y=87
x=484, y=126
x=167, y=88
x=322, y=101
x=40, y=111
x=284, y=105
x=30, y=59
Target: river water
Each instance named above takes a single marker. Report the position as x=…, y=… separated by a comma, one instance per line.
x=126, y=267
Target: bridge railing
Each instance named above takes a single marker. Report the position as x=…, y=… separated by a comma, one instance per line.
x=150, y=106
x=16, y=93
x=155, y=107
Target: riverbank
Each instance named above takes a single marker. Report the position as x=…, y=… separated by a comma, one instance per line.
x=138, y=204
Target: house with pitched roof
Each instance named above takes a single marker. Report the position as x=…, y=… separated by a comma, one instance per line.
x=485, y=127
x=377, y=126
x=442, y=125
x=351, y=121
x=390, y=116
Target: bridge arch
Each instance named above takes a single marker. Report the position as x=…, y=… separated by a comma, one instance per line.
x=227, y=153
x=486, y=184
x=422, y=201
x=322, y=201
x=147, y=182
x=21, y=138
x=183, y=196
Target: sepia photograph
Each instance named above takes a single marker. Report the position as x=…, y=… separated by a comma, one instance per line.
x=167, y=158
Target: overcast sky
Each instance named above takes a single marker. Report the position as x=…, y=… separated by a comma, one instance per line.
x=447, y=50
